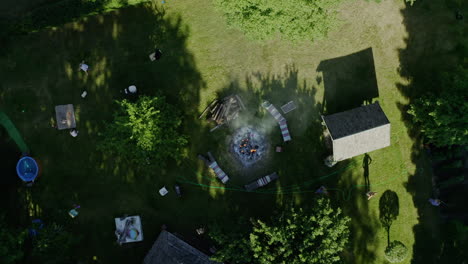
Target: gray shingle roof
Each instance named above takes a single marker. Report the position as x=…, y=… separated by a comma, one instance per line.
x=169, y=249
x=355, y=120
x=358, y=131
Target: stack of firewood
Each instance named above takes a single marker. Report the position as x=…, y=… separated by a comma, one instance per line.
x=224, y=110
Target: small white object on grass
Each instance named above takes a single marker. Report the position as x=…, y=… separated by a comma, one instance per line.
x=74, y=133
x=163, y=191
x=84, y=67
x=132, y=89
x=83, y=95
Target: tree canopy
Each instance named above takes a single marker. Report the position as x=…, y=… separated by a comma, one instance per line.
x=143, y=130
x=396, y=252
x=293, y=19
x=313, y=236
x=442, y=116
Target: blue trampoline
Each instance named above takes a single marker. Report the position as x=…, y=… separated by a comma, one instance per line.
x=27, y=169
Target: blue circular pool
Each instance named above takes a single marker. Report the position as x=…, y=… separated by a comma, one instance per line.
x=27, y=169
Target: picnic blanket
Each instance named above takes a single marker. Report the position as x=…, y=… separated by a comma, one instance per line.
x=65, y=115
x=128, y=229
x=280, y=119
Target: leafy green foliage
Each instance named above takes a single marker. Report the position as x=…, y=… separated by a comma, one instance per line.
x=144, y=130
x=295, y=236
x=54, y=245
x=11, y=243
x=293, y=19
x=442, y=117
x=234, y=242
x=396, y=252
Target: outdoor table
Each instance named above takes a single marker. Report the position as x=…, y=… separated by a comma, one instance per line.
x=65, y=115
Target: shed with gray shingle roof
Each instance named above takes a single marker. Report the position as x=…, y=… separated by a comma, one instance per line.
x=169, y=249
x=358, y=131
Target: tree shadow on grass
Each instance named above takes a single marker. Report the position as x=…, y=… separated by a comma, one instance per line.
x=349, y=81
x=389, y=208
x=351, y=197
x=435, y=44
x=116, y=46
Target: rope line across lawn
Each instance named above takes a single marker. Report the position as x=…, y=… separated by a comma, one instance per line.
x=291, y=189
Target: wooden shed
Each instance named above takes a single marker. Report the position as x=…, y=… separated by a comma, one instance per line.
x=357, y=131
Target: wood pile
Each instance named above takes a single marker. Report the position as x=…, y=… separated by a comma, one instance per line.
x=224, y=110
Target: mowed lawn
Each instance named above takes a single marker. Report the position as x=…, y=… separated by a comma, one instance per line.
x=203, y=59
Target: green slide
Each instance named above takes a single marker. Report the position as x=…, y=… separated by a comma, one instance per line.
x=13, y=132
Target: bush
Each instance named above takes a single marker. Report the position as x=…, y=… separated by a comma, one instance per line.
x=316, y=236
x=396, y=252
x=293, y=19
x=442, y=117
x=144, y=131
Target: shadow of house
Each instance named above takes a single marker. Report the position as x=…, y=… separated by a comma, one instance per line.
x=349, y=81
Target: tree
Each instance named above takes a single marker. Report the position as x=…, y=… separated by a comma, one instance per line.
x=442, y=117
x=144, y=130
x=295, y=236
x=11, y=243
x=396, y=252
x=293, y=19
x=234, y=242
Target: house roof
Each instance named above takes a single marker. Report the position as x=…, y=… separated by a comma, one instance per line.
x=356, y=120
x=169, y=249
x=358, y=131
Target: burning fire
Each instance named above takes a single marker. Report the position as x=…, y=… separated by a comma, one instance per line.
x=249, y=145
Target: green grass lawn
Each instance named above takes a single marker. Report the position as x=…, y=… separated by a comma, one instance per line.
x=203, y=59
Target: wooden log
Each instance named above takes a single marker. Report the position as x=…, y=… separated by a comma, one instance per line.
x=240, y=102
x=217, y=114
x=204, y=112
x=216, y=127
x=215, y=108
x=223, y=113
x=208, y=108
x=228, y=107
